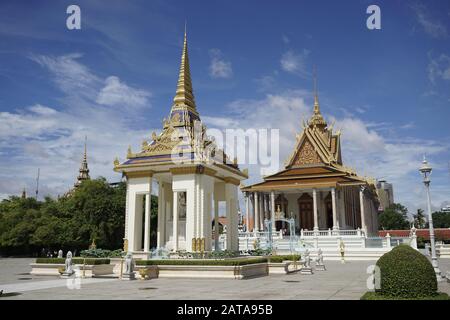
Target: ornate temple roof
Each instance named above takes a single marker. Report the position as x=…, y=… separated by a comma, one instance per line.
x=315, y=161
x=317, y=144
x=183, y=137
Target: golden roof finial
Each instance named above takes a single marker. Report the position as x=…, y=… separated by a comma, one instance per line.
x=316, y=97
x=317, y=120
x=184, y=95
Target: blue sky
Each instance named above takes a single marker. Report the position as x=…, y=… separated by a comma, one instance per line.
x=251, y=64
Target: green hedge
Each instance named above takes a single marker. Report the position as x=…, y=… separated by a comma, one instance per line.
x=89, y=261
x=281, y=258
x=406, y=273
x=377, y=296
x=201, y=262
x=102, y=253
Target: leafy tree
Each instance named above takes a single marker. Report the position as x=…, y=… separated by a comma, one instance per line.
x=441, y=219
x=394, y=218
x=419, y=219
x=95, y=210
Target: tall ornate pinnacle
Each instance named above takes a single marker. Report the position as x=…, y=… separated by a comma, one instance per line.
x=316, y=97
x=184, y=97
x=317, y=119
x=84, y=170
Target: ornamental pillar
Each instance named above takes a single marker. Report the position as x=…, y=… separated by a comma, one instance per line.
x=333, y=203
x=175, y=222
x=216, y=225
x=148, y=204
x=316, y=218
x=361, y=203
x=247, y=212
x=256, y=212
x=272, y=209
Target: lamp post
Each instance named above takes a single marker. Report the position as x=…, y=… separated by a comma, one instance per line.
x=425, y=170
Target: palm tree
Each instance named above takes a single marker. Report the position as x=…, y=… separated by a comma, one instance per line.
x=419, y=219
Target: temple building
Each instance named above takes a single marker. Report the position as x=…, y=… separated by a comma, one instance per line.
x=83, y=172
x=385, y=193
x=193, y=175
x=314, y=188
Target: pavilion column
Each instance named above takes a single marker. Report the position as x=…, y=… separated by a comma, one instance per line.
x=216, y=225
x=148, y=204
x=256, y=211
x=272, y=209
x=247, y=212
x=361, y=203
x=175, y=221
x=316, y=218
x=161, y=232
x=261, y=212
x=333, y=203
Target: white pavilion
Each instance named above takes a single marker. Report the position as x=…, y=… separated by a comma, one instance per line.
x=192, y=174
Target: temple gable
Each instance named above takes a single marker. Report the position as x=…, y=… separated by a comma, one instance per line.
x=306, y=155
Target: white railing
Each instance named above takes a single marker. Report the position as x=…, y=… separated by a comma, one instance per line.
x=348, y=232
x=260, y=234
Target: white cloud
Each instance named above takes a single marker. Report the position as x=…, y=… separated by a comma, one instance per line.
x=116, y=93
x=430, y=24
x=52, y=138
x=295, y=62
x=438, y=67
x=265, y=83
x=219, y=68
x=71, y=76
x=285, y=39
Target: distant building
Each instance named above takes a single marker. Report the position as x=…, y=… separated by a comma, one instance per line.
x=83, y=173
x=446, y=209
x=84, y=170
x=385, y=193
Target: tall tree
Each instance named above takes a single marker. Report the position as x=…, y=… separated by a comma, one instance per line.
x=441, y=219
x=395, y=217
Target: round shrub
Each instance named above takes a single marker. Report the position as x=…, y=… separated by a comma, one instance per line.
x=406, y=273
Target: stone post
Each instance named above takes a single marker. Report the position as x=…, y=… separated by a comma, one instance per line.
x=388, y=241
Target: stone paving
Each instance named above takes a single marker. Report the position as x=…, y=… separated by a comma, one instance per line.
x=340, y=281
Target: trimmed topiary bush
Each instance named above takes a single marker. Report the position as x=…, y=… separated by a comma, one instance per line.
x=101, y=253
x=377, y=296
x=281, y=258
x=406, y=273
x=201, y=262
x=88, y=261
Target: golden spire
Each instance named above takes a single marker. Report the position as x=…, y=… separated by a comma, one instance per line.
x=316, y=97
x=184, y=96
x=84, y=170
x=317, y=119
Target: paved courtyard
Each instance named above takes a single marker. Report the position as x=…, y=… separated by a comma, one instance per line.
x=346, y=281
